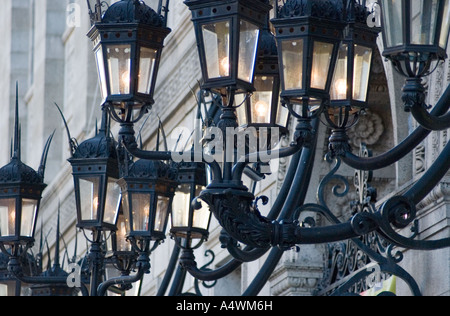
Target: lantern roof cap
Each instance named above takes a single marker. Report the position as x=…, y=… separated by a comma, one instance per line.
x=18, y=172
x=100, y=146
x=327, y=9
x=152, y=169
x=267, y=45
x=132, y=11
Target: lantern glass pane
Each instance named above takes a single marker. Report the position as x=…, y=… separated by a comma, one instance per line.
x=162, y=211
x=241, y=111
x=261, y=99
x=29, y=210
x=361, y=72
x=282, y=116
x=147, y=60
x=126, y=212
x=181, y=205
x=121, y=234
x=321, y=64
x=393, y=22
x=112, y=201
x=445, y=25
x=141, y=211
x=89, y=198
x=7, y=217
x=338, y=89
x=119, y=66
x=423, y=21
x=201, y=216
x=248, y=45
x=101, y=72
x=216, y=38
x=292, y=57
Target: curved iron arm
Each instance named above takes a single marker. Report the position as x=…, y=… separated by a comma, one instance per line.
x=126, y=134
x=15, y=268
x=431, y=177
x=402, y=149
x=414, y=100
x=364, y=272
x=143, y=265
x=429, y=121
x=187, y=261
x=249, y=254
x=386, y=264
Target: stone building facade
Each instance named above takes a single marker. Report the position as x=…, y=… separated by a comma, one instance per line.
x=45, y=50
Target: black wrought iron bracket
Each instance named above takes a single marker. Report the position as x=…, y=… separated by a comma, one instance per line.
x=437, y=119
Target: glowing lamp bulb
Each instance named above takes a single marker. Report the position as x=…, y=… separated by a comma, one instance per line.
x=225, y=66
x=125, y=82
x=261, y=108
x=341, y=89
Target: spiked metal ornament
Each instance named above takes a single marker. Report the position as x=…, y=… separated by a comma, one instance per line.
x=20, y=193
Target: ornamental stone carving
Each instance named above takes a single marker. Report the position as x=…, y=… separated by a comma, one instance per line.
x=368, y=131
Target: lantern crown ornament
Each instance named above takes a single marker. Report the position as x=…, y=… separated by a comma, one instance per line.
x=21, y=190
x=128, y=41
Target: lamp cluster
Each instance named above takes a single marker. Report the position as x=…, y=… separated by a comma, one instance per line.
x=313, y=58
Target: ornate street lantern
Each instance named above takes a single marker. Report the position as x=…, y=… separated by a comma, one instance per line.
x=20, y=195
x=190, y=218
x=262, y=108
x=147, y=194
x=227, y=37
x=350, y=85
x=128, y=41
x=95, y=173
x=308, y=34
x=415, y=34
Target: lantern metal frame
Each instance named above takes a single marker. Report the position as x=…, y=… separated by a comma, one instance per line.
x=96, y=158
x=267, y=66
x=357, y=33
x=410, y=59
x=309, y=22
x=133, y=24
x=205, y=12
x=154, y=179
x=193, y=175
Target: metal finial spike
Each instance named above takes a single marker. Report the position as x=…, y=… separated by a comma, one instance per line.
x=41, y=170
x=16, y=146
x=58, y=231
